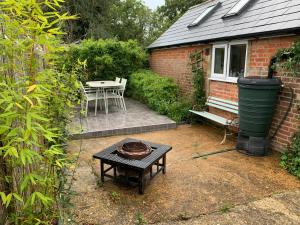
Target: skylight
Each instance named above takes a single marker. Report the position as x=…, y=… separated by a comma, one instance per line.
x=237, y=8
x=207, y=12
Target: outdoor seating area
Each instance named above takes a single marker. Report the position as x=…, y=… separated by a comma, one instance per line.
x=228, y=188
x=104, y=94
x=139, y=112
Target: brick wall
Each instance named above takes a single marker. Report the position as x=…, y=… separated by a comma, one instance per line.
x=174, y=62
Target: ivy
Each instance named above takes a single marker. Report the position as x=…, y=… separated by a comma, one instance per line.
x=289, y=59
x=290, y=160
x=196, y=61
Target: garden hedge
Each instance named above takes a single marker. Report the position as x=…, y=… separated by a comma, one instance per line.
x=105, y=59
x=159, y=93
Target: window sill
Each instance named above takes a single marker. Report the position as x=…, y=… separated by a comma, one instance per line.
x=234, y=81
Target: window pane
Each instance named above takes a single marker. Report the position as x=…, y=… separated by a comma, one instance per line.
x=219, y=60
x=238, y=7
x=237, y=60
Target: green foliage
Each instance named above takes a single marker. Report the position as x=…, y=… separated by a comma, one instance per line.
x=122, y=19
x=289, y=58
x=290, y=160
x=115, y=196
x=199, y=80
x=93, y=21
x=130, y=20
x=35, y=106
x=226, y=208
x=173, y=9
x=167, y=14
x=140, y=220
x=105, y=59
x=159, y=93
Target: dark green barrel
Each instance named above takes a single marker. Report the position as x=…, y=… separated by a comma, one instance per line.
x=257, y=102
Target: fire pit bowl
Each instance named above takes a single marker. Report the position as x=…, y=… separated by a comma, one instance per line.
x=134, y=150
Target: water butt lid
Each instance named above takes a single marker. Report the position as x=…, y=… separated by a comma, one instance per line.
x=260, y=81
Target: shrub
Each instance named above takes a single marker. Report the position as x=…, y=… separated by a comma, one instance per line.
x=290, y=160
x=105, y=59
x=159, y=93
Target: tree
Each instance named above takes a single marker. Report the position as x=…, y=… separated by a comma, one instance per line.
x=167, y=14
x=173, y=9
x=93, y=19
x=130, y=19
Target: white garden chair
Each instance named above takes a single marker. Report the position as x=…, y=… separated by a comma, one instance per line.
x=91, y=94
x=118, y=80
x=121, y=92
x=117, y=95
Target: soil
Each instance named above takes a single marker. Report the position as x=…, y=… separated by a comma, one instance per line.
x=191, y=188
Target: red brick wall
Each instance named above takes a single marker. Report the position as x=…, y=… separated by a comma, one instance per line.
x=174, y=62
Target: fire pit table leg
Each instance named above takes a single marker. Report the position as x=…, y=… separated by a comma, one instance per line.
x=141, y=183
x=102, y=170
x=164, y=164
x=115, y=173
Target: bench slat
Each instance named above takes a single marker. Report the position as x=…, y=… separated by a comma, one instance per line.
x=224, y=104
x=223, y=108
x=224, y=100
x=213, y=117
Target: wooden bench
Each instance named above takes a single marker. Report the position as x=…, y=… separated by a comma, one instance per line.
x=225, y=105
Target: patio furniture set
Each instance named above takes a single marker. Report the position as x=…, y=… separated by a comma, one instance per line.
x=103, y=92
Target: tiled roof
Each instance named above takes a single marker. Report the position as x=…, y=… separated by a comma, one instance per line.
x=260, y=17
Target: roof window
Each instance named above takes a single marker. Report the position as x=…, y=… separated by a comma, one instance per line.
x=237, y=8
x=207, y=12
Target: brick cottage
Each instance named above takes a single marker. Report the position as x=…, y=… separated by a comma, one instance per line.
x=238, y=38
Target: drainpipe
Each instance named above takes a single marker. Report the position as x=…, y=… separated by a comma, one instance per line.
x=271, y=68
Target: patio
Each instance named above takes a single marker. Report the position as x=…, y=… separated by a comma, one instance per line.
x=137, y=119
x=228, y=188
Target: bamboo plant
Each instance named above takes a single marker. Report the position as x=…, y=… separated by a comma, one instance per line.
x=35, y=104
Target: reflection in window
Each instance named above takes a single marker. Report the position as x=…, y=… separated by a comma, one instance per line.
x=219, y=60
x=237, y=60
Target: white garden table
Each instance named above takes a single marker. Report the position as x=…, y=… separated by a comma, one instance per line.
x=103, y=85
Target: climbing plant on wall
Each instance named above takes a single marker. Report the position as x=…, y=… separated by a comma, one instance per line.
x=289, y=59
x=35, y=104
x=196, y=61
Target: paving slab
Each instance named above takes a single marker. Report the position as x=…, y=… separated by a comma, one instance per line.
x=191, y=187
x=278, y=209
x=137, y=119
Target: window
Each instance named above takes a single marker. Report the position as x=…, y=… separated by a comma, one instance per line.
x=229, y=61
x=237, y=8
x=208, y=11
x=219, y=60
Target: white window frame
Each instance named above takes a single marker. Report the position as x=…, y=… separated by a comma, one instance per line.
x=225, y=77
x=218, y=75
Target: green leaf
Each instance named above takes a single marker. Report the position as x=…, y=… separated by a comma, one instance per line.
x=38, y=117
x=18, y=197
x=8, y=199
x=28, y=121
x=11, y=151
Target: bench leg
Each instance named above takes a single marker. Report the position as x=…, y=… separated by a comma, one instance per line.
x=225, y=137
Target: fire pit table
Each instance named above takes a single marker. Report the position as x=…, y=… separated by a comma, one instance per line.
x=142, y=166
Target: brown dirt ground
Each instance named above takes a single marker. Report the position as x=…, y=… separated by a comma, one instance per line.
x=189, y=189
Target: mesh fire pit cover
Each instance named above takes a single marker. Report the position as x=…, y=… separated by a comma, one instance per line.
x=134, y=150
